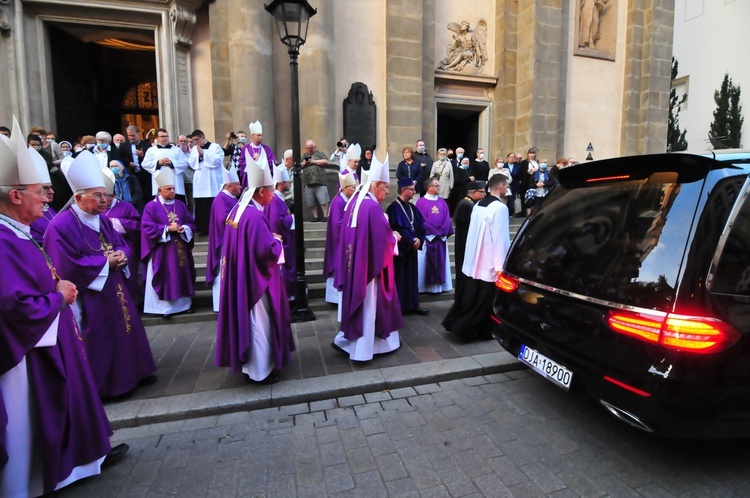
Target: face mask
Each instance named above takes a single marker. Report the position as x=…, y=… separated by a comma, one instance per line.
x=242, y=140
x=543, y=166
x=90, y=146
x=421, y=148
x=464, y=166
x=442, y=158
x=78, y=149
x=67, y=153
x=481, y=156
x=460, y=155
x=115, y=170
x=102, y=146
x=38, y=148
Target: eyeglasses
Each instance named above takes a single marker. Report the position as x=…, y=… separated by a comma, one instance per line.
x=97, y=195
x=39, y=191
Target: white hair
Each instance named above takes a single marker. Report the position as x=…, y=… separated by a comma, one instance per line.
x=103, y=135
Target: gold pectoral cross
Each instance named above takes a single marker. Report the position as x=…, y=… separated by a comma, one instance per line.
x=435, y=210
x=173, y=217
x=106, y=246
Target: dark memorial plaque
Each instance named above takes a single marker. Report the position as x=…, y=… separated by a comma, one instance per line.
x=360, y=117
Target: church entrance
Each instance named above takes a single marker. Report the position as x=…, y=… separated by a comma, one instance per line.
x=103, y=79
x=458, y=127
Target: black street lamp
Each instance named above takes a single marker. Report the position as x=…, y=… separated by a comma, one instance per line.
x=291, y=18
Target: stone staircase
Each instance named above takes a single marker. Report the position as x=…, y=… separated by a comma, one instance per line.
x=314, y=251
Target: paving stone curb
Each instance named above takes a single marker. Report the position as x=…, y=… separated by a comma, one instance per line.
x=252, y=397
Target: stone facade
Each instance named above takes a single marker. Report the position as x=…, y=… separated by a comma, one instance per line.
x=533, y=90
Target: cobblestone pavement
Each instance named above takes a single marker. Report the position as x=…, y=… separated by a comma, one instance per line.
x=511, y=434
x=184, y=352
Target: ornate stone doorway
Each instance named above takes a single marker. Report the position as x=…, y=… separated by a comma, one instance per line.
x=102, y=79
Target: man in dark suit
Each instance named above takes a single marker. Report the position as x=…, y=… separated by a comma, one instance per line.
x=136, y=149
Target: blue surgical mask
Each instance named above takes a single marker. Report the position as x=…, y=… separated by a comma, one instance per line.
x=242, y=140
x=102, y=146
x=115, y=170
x=90, y=146
x=67, y=153
x=442, y=158
x=464, y=166
x=420, y=148
x=460, y=155
x=543, y=166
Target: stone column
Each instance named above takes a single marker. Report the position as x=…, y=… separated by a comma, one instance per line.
x=8, y=78
x=182, y=19
x=648, y=56
x=250, y=36
x=218, y=13
x=506, y=53
x=405, y=70
x=429, y=117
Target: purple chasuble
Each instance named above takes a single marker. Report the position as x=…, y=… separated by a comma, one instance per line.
x=253, y=150
x=130, y=219
x=437, y=221
x=72, y=427
x=333, y=231
x=115, y=339
x=220, y=209
x=174, y=269
x=280, y=221
x=250, y=254
x=39, y=226
x=366, y=252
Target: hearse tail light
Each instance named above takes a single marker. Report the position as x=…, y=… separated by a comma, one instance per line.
x=505, y=282
x=694, y=334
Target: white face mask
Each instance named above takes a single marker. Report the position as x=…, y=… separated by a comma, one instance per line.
x=481, y=156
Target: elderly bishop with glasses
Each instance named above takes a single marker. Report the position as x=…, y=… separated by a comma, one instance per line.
x=86, y=249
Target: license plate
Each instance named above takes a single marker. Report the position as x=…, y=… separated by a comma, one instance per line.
x=545, y=367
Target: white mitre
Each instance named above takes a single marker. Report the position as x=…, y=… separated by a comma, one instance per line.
x=255, y=127
x=83, y=172
x=39, y=163
x=280, y=174
x=229, y=176
x=354, y=152
x=164, y=177
x=379, y=172
x=257, y=176
x=347, y=179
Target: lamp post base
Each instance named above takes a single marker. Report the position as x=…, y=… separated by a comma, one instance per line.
x=302, y=315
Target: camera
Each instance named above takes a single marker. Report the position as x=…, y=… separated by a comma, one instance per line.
x=232, y=134
x=341, y=145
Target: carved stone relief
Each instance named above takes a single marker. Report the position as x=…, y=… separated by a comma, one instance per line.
x=468, y=51
x=183, y=21
x=5, y=20
x=596, y=29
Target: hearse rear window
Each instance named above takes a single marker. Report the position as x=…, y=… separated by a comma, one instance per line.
x=620, y=241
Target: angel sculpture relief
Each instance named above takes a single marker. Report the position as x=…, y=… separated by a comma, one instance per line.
x=469, y=46
x=589, y=31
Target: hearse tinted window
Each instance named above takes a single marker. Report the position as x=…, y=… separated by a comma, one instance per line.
x=620, y=242
x=733, y=270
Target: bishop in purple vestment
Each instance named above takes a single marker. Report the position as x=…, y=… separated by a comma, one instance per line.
x=166, y=251
x=220, y=209
x=370, y=309
x=84, y=247
x=257, y=151
x=281, y=221
x=434, y=259
x=42, y=359
x=333, y=230
x=254, y=333
x=39, y=226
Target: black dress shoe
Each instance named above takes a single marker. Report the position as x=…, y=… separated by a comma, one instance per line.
x=422, y=311
x=115, y=454
x=151, y=379
x=338, y=348
x=315, y=220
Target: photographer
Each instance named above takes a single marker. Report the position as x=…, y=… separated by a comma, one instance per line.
x=339, y=155
x=314, y=180
x=232, y=150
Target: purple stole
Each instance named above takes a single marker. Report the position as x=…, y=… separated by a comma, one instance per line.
x=333, y=231
x=72, y=426
x=252, y=253
x=174, y=269
x=115, y=339
x=437, y=221
x=280, y=221
x=366, y=252
x=220, y=209
x=130, y=220
x=39, y=226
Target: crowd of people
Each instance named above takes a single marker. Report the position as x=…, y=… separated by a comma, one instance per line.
x=90, y=229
